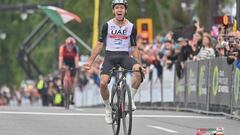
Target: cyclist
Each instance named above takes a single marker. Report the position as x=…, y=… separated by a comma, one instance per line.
x=119, y=36
x=68, y=60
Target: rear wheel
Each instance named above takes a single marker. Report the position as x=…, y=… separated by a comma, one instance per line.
x=127, y=110
x=115, y=110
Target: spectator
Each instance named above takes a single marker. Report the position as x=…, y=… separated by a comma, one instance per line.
x=182, y=56
x=196, y=43
x=234, y=59
x=51, y=90
x=5, y=91
x=207, y=50
x=3, y=101
x=16, y=95
x=42, y=90
x=167, y=53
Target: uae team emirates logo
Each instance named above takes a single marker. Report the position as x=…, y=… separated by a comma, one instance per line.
x=119, y=34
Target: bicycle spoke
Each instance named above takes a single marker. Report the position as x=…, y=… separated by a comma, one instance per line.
x=127, y=113
x=115, y=111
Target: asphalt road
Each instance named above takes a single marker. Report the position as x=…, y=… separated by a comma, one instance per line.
x=90, y=121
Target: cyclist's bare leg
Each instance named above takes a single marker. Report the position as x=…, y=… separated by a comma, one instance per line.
x=136, y=80
x=103, y=86
x=104, y=89
x=62, y=75
x=73, y=86
x=105, y=95
x=74, y=83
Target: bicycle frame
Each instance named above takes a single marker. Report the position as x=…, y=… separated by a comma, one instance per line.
x=67, y=79
x=68, y=82
x=121, y=81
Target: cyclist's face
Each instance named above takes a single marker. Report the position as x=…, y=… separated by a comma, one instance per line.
x=119, y=11
x=70, y=47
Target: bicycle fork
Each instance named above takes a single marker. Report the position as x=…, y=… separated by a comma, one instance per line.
x=121, y=99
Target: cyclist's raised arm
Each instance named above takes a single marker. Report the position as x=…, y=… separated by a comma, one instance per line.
x=60, y=57
x=98, y=48
x=134, y=47
x=96, y=51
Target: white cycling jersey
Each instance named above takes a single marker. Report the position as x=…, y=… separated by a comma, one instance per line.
x=118, y=38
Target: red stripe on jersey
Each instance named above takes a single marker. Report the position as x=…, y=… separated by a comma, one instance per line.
x=118, y=36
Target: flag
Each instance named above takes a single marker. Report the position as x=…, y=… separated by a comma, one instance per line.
x=58, y=15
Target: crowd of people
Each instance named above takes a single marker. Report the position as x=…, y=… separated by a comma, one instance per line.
x=17, y=96
x=46, y=90
x=172, y=49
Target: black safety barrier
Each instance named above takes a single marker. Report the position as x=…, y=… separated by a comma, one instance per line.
x=220, y=84
x=236, y=91
x=179, y=91
x=202, y=87
x=191, y=84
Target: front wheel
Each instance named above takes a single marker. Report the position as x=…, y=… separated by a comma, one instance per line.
x=67, y=99
x=127, y=110
x=115, y=110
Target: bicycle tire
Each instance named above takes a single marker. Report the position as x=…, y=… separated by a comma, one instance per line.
x=116, y=112
x=67, y=99
x=126, y=110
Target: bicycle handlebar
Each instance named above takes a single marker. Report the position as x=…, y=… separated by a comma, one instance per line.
x=120, y=69
x=69, y=68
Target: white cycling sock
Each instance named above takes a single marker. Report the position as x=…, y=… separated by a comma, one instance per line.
x=107, y=104
x=133, y=92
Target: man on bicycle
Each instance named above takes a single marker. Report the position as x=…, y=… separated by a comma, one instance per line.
x=68, y=60
x=119, y=36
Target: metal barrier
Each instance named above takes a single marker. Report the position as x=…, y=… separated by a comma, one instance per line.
x=202, y=85
x=220, y=84
x=236, y=92
x=207, y=85
x=191, y=84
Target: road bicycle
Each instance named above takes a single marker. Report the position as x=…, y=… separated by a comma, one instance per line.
x=68, y=87
x=121, y=101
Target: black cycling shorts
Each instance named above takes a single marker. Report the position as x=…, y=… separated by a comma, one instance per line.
x=71, y=65
x=113, y=59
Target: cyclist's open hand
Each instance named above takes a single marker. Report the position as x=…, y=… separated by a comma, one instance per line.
x=63, y=68
x=87, y=66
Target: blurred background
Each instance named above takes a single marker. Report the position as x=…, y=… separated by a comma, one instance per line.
x=158, y=22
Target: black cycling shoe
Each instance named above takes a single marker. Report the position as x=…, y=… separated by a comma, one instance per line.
x=72, y=102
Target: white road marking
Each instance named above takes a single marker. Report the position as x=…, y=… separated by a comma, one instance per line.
x=177, y=116
x=164, y=129
x=99, y=114
x=53, y=114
